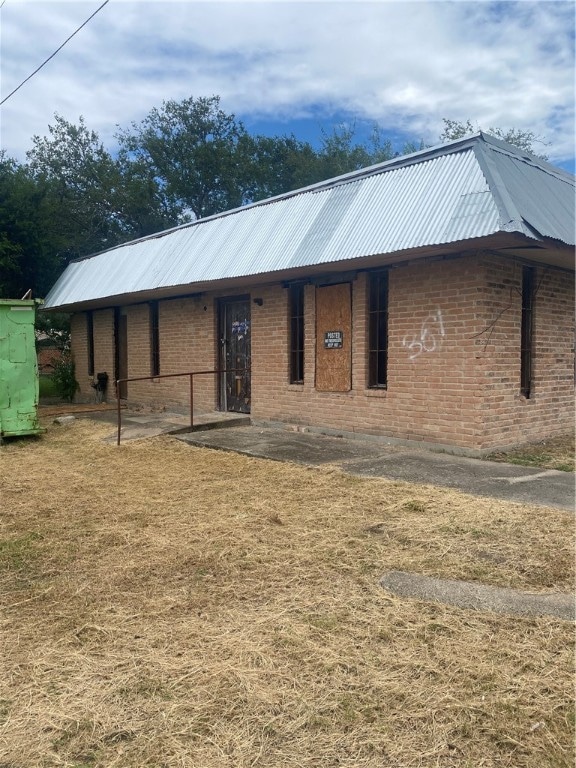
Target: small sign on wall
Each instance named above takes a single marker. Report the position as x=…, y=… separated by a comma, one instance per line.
x=333, y=339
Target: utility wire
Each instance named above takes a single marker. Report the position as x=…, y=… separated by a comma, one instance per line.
x=55, y=52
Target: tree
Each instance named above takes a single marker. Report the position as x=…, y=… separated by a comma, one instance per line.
x=55, y=328
x=199, y=155
x=98, y=201
x=142, y=207
x=340, y=153
x=456, y=129
x=279, y=164
x=84, y=182
x=28, y=240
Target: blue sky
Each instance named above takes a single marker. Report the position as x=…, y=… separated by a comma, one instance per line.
x=294, y=67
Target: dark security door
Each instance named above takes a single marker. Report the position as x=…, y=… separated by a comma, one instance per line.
x=235, y=354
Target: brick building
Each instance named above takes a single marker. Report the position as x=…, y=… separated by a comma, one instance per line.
x=429, y=298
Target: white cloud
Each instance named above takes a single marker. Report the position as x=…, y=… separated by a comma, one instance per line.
x=406, y=65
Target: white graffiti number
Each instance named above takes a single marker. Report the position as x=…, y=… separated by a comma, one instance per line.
x=430, y=337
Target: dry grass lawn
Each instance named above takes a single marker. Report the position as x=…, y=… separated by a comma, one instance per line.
x=165, y=606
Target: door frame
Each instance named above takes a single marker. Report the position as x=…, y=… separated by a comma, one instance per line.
x=222, y=304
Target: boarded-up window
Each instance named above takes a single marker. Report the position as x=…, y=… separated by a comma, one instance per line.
x=334, y=338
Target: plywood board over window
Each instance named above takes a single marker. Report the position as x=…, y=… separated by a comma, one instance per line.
x=334, y=338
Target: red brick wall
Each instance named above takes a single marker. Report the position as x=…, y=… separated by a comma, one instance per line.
x=508, y=418
x=432, y=389
x=454, y=356
x=103, y=351
x=187, y=343
x=46, y=357
x=80, y=353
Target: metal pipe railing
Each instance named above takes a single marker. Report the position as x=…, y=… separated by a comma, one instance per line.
x=191, y=374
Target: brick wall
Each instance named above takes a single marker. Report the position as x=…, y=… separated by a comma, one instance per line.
x=186, y=343
x=103, y=351
x=509, y=418
x=80, y=353
x=454, y=356
x=432, y=391
x=454, y=359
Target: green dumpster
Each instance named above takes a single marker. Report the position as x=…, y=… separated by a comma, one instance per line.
x=18, y=369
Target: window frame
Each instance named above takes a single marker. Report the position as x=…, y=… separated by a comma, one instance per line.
x=527, y=332
x=296, y=321
x=377, y=330
x=154, y=327
x=90, y=341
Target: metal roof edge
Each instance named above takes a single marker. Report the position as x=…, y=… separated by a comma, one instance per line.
x=527, y=157
x=510, y=218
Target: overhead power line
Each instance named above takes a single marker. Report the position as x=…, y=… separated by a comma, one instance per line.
x=54, y=54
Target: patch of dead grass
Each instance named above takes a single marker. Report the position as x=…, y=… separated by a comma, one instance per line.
x=555, y=453
x=174, y=606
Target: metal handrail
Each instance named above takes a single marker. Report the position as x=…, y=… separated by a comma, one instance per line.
x=191, y=374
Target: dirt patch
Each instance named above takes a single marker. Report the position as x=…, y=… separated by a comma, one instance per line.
x=164, y=605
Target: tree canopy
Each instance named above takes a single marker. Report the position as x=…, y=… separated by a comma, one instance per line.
x=457, y=129
x=198, y=154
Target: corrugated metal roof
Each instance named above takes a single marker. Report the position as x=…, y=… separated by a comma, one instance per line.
x=467, y=189
x=543, y=202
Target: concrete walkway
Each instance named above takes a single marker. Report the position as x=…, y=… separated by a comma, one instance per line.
x=479, y=597
x=527, y=485
x=362, y=457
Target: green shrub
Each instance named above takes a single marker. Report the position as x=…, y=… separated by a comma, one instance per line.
x=47, y=387
x=64, y=377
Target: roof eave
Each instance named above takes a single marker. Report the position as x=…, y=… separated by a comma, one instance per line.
x=513, y=244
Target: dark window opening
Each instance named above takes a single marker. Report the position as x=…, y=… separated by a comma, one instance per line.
x=526, y=336
x=90, y=342
x=116, y=343
x=154, y=339
x=378, y=330
x=297, y=334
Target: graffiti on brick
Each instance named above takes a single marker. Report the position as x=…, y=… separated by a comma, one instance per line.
x=429, y=338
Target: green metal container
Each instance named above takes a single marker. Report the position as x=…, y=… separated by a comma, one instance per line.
x=18, y=369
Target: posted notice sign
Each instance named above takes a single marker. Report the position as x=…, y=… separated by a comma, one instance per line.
x=333, y=339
